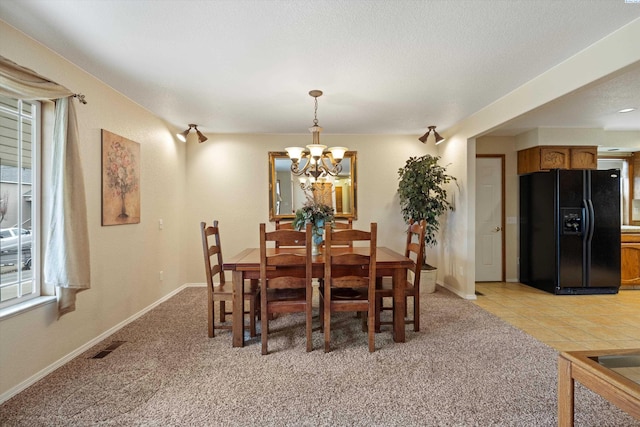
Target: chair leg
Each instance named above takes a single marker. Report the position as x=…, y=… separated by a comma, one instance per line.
x=416, y=311
x=222, y=312
x=252, y=317
x=309, y=325
x=210, y=318
x=377, y=312
x=371, y=332
x=321, y=314
x=264, y=322
x=327, y=326
x=254, y=287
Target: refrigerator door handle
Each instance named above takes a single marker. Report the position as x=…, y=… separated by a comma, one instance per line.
x=592, y=220
x=586, y=222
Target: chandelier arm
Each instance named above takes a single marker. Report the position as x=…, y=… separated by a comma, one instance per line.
x=295, y=169
x=330, y=168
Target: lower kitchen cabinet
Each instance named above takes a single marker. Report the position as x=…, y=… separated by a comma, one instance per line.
x=630, y=259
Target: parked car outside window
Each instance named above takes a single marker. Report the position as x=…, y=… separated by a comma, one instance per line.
x=13, y=232
x=11, y=239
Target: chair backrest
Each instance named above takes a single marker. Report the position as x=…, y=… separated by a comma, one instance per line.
x=340, y=225
x=295, y=265
x=284, y=225
x=288, y=225
x=415, y=247
x=212, y=254
x=340, y=261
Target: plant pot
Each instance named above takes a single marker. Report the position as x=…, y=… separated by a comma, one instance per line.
x=428, y=279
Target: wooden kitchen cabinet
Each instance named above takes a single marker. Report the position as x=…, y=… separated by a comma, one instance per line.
x=634, y=188
x=583, y=157
x=547, y=157
x=630, y=259
x=554, y=158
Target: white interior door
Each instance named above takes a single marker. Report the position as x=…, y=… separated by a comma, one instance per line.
x=489, y=219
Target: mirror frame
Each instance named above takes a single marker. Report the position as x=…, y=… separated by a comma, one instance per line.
x=273, y=155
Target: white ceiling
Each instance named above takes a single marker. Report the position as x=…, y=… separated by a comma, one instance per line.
x=391, y=67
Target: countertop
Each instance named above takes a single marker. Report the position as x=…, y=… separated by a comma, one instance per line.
x=630, y=229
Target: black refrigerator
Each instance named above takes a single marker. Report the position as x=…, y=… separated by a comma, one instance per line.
x=570, y=231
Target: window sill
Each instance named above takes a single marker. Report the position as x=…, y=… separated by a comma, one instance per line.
x=25, y=306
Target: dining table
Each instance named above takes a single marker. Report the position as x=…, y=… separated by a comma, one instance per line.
x=389, y=263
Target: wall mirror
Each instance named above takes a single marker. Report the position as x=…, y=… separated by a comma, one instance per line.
x=288, y=192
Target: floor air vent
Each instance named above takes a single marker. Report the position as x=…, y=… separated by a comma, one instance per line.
x=104, y=353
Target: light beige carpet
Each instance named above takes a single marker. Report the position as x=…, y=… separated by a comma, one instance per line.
x=465, y=368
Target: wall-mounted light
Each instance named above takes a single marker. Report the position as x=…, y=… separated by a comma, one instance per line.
x=424, y=137
x=627, y=110
x=182, y=136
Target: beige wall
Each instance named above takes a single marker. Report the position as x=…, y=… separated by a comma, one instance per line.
x=227, y=180
x=125, y=260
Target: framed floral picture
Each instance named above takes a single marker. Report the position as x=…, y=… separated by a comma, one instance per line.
x=120, y=180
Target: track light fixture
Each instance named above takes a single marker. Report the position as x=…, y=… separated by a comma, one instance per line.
x=182, y=136
x=424, y=137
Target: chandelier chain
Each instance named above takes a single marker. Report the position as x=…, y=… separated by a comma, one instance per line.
x=315, y=112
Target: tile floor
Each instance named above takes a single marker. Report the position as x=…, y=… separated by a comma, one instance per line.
x=566, y=322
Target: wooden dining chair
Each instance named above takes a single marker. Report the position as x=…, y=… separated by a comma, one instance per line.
x=217, y=289
x=340, y=225
x=343, y=225
x=284, y=224
x=349, y=278
x=285, y=278
x=414, y=249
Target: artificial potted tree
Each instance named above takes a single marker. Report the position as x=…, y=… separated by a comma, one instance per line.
x=423, y=196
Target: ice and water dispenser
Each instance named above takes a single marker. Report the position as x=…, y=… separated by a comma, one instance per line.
x=572, y=220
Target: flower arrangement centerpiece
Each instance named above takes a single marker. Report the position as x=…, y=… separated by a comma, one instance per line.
x=318, y=215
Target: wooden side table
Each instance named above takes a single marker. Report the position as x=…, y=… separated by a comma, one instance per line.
x=613, y=374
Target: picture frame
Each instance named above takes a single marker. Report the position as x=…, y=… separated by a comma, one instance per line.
x=120, y=180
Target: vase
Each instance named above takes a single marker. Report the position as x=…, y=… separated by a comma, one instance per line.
x=315, y=248
x=316, y=240
x=123, y=211
x=428, y=280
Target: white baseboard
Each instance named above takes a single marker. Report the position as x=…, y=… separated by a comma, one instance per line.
x=46, y=371
x=458, y=292
x=513, y=280
x=194, y=285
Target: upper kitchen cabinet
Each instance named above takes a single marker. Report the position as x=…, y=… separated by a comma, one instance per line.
x=547, y=157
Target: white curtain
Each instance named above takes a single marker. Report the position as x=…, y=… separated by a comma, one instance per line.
x=66, y=266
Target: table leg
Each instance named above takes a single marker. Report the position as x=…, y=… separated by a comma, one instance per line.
x=565, y=393
x=238, y=309
x=399, y=302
